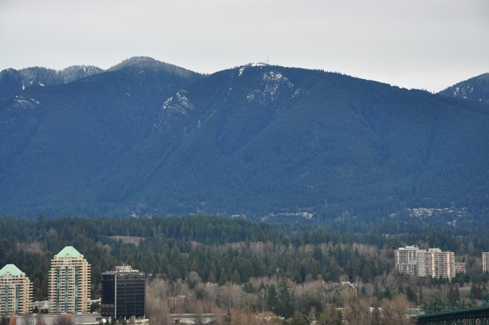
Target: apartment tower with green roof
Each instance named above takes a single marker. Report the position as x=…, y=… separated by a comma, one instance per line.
x=69, y=282
x=15, y=292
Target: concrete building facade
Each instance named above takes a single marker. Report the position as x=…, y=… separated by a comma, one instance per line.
x=431, y=262
x=405, y=258
x=69, y=282
x=15, y=292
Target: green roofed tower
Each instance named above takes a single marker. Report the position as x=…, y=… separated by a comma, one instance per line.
x=68, y=251
x=69, y=282
x=15, y=291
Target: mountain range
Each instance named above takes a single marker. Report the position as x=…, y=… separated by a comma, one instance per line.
x=146, y=137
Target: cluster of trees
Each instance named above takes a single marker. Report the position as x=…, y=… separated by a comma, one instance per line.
x=220, y=250
x=264, y=300
x=232, y=264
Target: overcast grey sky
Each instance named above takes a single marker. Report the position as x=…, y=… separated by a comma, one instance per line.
x=424, y=44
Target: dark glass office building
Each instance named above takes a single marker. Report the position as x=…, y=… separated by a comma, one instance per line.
x=123, y=293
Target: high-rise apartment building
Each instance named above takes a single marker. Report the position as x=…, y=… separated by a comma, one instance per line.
x=15, y=292
x=485, y=262
x=405, y=259
x=438, y=264
x=420, y=262
x=69, y=282
x=123, y=293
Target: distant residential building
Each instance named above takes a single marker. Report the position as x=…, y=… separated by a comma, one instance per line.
x=485, y=262
x=420, y=262
x=123, y=293
x=15, y=291
x=41, y=305
x=439, y=264
x=69, y=282
x=405, y=259
x=459, y=267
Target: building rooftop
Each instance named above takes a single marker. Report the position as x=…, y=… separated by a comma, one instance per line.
x=12, y=269
x=125, y=269
x=70, y=251
x=414, y=247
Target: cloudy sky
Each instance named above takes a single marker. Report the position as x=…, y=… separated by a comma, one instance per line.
x=424, y=44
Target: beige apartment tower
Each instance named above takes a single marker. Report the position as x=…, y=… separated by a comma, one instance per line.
x=427, y=262
x=69, y=282
x=15, y=292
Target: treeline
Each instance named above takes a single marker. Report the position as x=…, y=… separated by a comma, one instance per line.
x=219, y=250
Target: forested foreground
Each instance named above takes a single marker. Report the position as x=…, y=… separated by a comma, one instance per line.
x=227, y=266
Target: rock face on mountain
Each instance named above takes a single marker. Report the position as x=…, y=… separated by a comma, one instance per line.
x=476, y=89
x=147, y=137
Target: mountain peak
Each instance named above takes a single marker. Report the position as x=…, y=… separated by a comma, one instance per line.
x=476, y=89
x=144, y=62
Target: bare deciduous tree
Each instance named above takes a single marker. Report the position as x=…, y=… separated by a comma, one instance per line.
x=394, y=311
x=27, y=320
x=40, y=320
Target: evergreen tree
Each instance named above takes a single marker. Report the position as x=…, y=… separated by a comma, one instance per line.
x=297, y=319
x=235, y=277
x=272, y=298
x=285, y=307
x=222, y=277
x=411, y=295
x=212, y=277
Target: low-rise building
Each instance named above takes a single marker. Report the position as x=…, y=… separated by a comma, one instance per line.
x=460, y=267
x=40, y=305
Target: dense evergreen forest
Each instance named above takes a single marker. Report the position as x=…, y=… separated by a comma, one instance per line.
x=182, y=254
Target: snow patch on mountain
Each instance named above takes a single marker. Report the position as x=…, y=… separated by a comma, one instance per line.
x=178, y=103
x=21, y=102
x=173, y=107
x=38, y=76
x=273, y=85
x=476, y=89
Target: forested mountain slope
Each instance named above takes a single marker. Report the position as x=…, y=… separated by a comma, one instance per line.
x=252, y=140
x=476, y=89
x=56, y=141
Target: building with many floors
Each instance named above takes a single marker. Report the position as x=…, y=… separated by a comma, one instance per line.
x=405, y=258
x=15, y=291
x=485, y=262
x=123, y=293
x=427, y=262
x=69, y=282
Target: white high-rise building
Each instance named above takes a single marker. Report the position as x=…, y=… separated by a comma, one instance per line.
x=405, y=259
x=15, y=291
x=69, y=282
x=485, y=262
x=420, y=262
